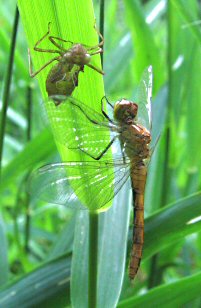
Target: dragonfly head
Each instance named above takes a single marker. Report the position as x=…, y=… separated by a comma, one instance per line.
x=77, y=55
x=125, y=111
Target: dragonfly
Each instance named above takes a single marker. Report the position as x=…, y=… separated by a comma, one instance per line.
x=62, y=78
x=99, y=179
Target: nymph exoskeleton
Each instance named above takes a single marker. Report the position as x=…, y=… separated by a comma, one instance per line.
x=63, y=76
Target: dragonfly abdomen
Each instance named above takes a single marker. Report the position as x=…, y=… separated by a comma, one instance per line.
x=138, y=177
x=62, y=82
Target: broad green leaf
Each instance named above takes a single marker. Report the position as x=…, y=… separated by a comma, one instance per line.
x=111, y=258
x=171, y=295
x=79, y=282
x=172, y=223
x=113, y=233
x=49, y=281
x=77, y=26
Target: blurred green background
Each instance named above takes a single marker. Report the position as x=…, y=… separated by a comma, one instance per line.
x=36, y=239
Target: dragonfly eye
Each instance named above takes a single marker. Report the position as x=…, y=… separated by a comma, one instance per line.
x=68, y=57
x=125, y=111
x=86, y=58
x=77, y=55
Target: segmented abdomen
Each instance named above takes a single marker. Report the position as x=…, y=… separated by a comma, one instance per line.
x=138, y=178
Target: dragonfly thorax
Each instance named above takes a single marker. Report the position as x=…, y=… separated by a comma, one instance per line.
x=77, y=55
x=125, y=111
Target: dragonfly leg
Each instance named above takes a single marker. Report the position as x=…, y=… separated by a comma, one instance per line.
x=96, y=69
x=96, y=52
x=101, y=42
x=45, y=50
x=38, y=71
x=107, y=101
x=101, y=154
x=103, y=111
x=123, y=151
x=53, y=38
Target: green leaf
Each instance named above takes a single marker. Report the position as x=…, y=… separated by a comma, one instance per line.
x=40, y=286
x=122, y=52
x=64, y=240
x=76, y=26
x=79, y=282
x=171, y=224
x=188, y=17
x=113, y=232
x=172, y=295
x=145, y=49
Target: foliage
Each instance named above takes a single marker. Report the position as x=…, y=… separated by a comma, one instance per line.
x=36, y=238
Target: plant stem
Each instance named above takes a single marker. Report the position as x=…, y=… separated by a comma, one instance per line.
x=27, y=198
x=102, y=16
x=93, y=258
x=6, y=90
x=29, y=112
x=16, y=213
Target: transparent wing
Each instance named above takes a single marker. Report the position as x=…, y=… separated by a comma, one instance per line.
x=143, y=99
x=80, y=127
x=96, y=183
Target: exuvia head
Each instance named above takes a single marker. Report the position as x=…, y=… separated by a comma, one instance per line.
x=125, y=111
x=77, y=55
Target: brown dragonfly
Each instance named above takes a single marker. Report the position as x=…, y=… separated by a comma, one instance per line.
x=62, y=78
x=98, y=180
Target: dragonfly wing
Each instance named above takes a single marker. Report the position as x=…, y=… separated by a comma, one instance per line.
x=143, y=99
x=80, y=127
x=61, y=183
